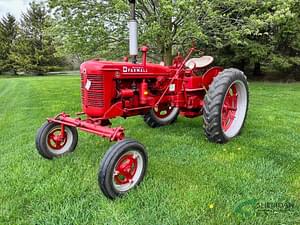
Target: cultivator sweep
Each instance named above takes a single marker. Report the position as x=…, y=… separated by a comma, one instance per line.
x=190, y=87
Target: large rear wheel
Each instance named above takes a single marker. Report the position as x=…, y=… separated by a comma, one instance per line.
x=226, y=106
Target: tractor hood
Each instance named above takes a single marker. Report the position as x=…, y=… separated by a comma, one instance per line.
x=125, y=68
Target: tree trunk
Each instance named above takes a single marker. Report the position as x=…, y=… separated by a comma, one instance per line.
x=257, y=70
x=168, y=55
x=162, y=53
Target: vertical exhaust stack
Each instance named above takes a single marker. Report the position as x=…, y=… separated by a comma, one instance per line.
x=133, y=33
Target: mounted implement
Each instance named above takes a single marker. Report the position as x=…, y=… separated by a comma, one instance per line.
x=190, y=87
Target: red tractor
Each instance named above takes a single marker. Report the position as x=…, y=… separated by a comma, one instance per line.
x=190, y=87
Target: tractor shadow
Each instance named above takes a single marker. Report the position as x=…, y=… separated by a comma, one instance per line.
x=93, y=148
x=183, y=126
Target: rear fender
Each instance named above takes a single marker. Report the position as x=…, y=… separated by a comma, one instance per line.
x=209, y=75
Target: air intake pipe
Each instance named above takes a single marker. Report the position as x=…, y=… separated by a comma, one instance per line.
x=133, y=32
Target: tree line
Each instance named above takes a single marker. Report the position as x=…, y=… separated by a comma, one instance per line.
x=256, y=36
x=28, y=46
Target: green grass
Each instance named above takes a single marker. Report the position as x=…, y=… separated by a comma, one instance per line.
x=186, y=173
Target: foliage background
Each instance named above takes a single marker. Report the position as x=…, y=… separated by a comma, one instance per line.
x=260, y=37
x=247, y=34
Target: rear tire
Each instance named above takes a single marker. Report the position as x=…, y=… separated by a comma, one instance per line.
x=225, y=106
x=161, y=116
x=122, y=168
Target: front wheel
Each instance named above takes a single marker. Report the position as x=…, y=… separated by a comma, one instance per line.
x=226, y=106
x=52, y=143
x=122, y=168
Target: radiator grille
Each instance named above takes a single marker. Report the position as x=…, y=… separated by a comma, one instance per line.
x=95, y=95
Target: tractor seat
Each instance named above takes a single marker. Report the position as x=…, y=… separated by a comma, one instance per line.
x=201, y=62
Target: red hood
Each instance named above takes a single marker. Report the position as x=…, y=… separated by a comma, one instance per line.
x=126, y=68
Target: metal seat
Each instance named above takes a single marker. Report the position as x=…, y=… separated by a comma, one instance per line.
x=199, y=63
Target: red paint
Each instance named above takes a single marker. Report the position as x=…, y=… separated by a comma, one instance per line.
x=229, y=108
x=209, y=75
x=144, y=51
x=127, y=93
x=57, y=139
x=125, y=169
x=124, y=89
x=193, y=82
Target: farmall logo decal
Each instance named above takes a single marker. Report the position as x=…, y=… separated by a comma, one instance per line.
x=127, y=69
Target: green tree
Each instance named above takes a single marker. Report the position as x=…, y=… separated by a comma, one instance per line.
x=166, y=23
x=242, y=33
x=8, y=33
x=34, y=50
x=255, y=33
x=82, y=28
x=286, y=52
x=95, y=27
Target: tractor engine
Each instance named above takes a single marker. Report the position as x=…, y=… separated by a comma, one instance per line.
x=111, y=89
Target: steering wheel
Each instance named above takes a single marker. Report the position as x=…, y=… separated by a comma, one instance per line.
x=195, y=42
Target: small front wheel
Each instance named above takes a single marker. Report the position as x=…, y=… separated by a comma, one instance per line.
x=52, y=143
x=122, y=168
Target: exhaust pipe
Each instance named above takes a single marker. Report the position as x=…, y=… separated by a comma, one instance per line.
x=133, y=33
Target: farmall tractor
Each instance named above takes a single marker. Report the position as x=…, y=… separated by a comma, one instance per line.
x=190, y=87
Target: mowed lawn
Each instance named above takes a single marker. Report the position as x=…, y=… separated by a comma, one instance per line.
x=189, y=180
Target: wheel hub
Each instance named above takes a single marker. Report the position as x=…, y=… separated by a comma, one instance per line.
x=229, y=107
x=125, y=169
x=55, y=139
x=163, y=111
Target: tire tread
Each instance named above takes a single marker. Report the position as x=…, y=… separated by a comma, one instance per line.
x=213, y=103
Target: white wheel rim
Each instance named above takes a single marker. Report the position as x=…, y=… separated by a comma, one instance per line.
x=67, y=145
x=241, y=109
x=139, y=169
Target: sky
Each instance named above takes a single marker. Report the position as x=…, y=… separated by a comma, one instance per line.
x=15, y=7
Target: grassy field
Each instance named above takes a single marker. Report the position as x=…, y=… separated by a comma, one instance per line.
x=189, y=180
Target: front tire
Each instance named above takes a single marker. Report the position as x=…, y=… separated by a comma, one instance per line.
x=50, y=145
x=225, y=106
x=122, y=168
